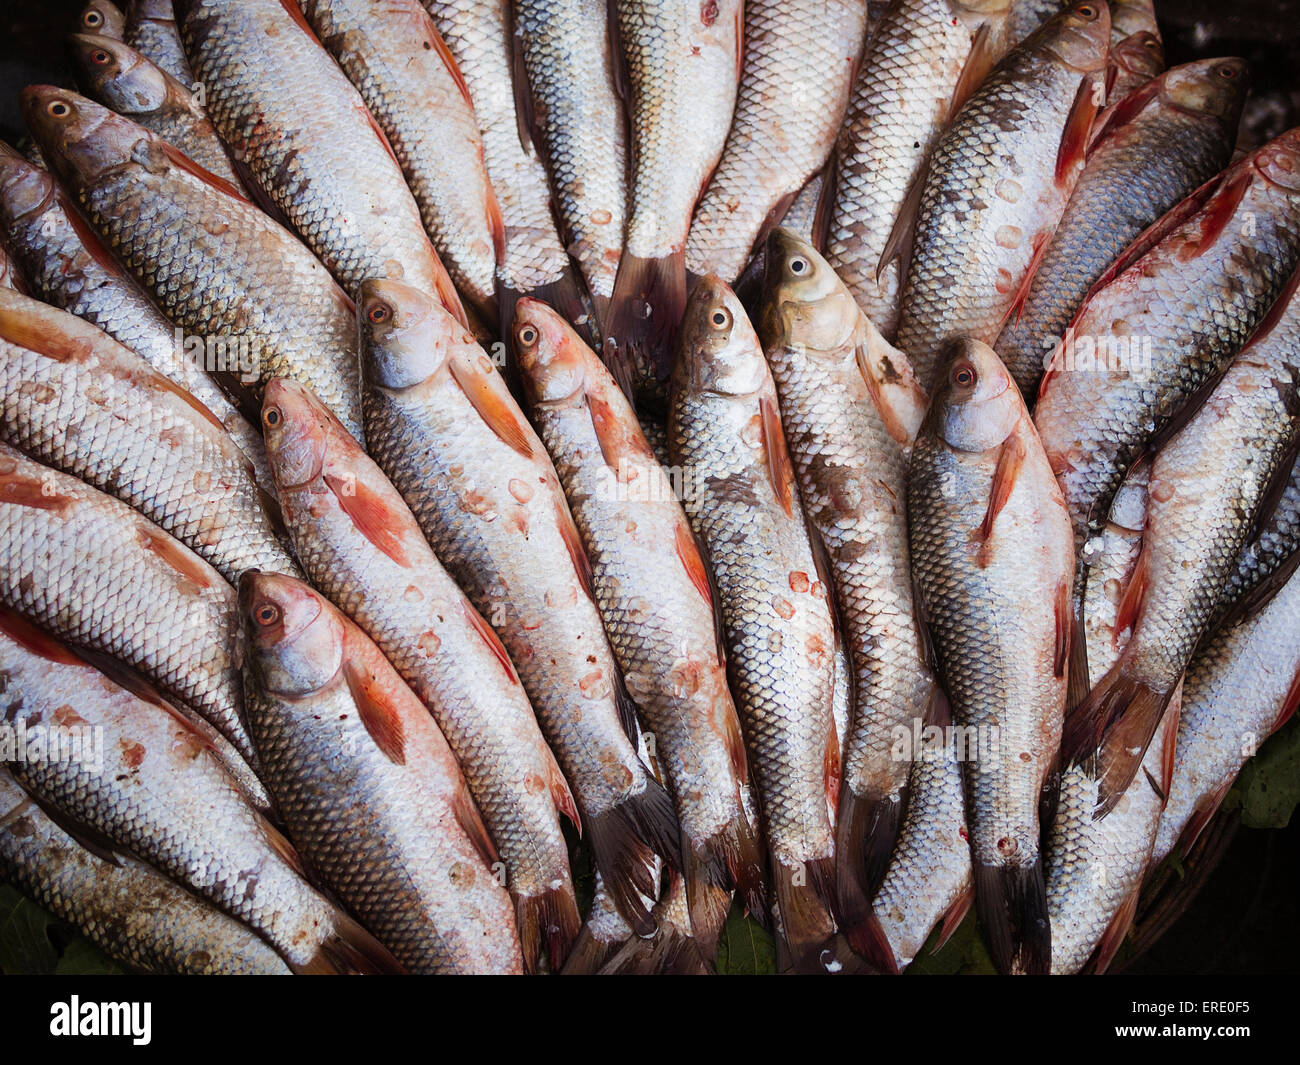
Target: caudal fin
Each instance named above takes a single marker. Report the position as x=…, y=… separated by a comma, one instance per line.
x=865, y=835
x=730, y=859
x=547, y=920
x=624, y=840
x=804, y=896
x=350, y=950
x=1011, y=901
x=645, y=314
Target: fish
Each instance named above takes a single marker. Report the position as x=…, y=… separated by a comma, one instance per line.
x=98, y=574
x=800, y=58
x=1241, y=687
x=368, y=788
x=602, y=933
x=993, y=556
x=408, y=79
x=924, y=58
x=65, y=265
x=1166, y=140
x=575, y=115
x=1201, y=278
x=997, y=184
x=851, y=409
x=672, y=949
x=1132, y=63
x=216, y=265
x=9, y=277
x=653, y=589
x=64, y=386
x=119, y=77
x=533, y=260
x=128, y=910
x=363, y=548
x=160, y=796
x=101, y=16
x=1128, y=17
x=1208, y=483
x=447, y=433
x=682, y=62
x=301, y=134
x=724, y=426
x=152, y=31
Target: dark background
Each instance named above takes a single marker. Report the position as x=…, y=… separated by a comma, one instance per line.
x=1246, y=916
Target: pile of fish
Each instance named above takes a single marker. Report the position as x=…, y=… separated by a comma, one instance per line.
x=840, y=458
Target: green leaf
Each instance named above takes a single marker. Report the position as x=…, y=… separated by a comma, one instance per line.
x=25, y=946
x=744, y=948
x=964, y=953
x=1269, y=784
x=83, y=958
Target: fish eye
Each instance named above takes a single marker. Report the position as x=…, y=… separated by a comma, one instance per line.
x=272, y=417
x=1151, y=44
x=379, y=313
x=721, y=318
x=1229, y=72
x=93, y=19
x=59, y=109
x=527, y=336
x=267, y=614
x=799, y=266
x=963, y=375
x=100, y=57
x=1087, y=11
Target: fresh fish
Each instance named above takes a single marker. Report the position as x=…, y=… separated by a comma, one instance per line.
x=673, y=949
x=1241, y=687
x=220, y=269
x=725, y=427
x=924, y=58
x=363, y=548
x=851, y=409
x=580, y=128
x=367, y=786
x=603, y=932
x=119, y=77
x=127, y=909
x=929, y=877
x=300, y=132
x=446, y=431
x=533, y=261
x=152, y=31
x=993, y=557
x=1132, y=63
x=1166, y=140
x=683, y=62
x=800, y=58
x=64, y=264
x=100, y=16
x=654, y=594
x=997, y=184
x=401, y=67
x=64, y=388
x=1200, y=280
x=1208, y=483
x=96, y=573
x=159, y=795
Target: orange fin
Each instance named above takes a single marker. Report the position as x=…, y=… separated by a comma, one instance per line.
x=780, y=471
x=1011, y=457
x=1130, y=606
x=1169, y=748
x=378, y=713
x=1064, y=610
x=549, y=919
x=471, y=822
x=444, y=55
x=493, y=405
x=181, y=161
x=1218, y=213
x=562, y=796
x=489, y=637
x=1116, y=932
x=1078, y=131
x=32, y=639
x=22, y=490
x=1017, y=307
x=370, y=515
x=618, y=437
x=954, y=915
x=981, y=59
x=577, y=553
x=1121, y=114
x=689, y=554
x=26, y=331
x=177, y=556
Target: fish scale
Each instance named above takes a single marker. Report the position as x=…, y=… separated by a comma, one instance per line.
x=151, y=30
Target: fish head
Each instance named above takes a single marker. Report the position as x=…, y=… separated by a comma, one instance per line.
x=296, y=427
x=804, y=303
x=24, y=189
x=983, y=8
x=117, y=74
x=1140, y=53
x=1279, y=161
x=407, y=337
x=79, y=139
x=1130, y=17
x=99, y=16
x=1213, y=87
x=976, y=404
x=1079, y=36
x=552, y=357
x=294, y=638
x=719, y=350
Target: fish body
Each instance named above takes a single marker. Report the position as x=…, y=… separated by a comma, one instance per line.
x=152, y=31
x=1267, y=561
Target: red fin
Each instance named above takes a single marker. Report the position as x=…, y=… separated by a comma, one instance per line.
x=1011, y=458
x=350, y=950
x=981, y=59
x=689, y=555
x=177, y=556
x=378, y=713
x=1169, y=747
x=448, y=60
x=1130, y=606
x=954, y=915
x=1041, y=241
x=181, y=161
x=1113, y=938
x=899, y=242
x=280, y=844
x=618, y=437
x=780, y=471
x=1064, y=610
x=160, y=383
x=370, y=515
x=20, y=489
x=494, y=406
x=869, y=942
x=550, y=920
x=1121, y=114
x=496, y=223
x=1217, y=214
x=1132, y=710
x=300, y=20
x=1202, y=815
x=1077, y=132
x=32, y=639
x=489, y=637
x=646, y=310
x=561, y=795
x=26, y=330
x=577, y=553
x=90, y=241
x=471, y=822
x=831, y=768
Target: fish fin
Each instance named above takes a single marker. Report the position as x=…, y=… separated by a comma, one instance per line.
x=624, y=840
x=255, y=193
x=1169, y=749
x=1218, y=213
x=26, y=331
x=370, y=516
x=19, y=489
x=587, y=955
x=1135, y=592
x=865, y=834
x=547, y=921
x=1132, y=710
x=35, y=640
x=1289, y=703
x=1202, y=815
x=780, y=470
x=1119, y=115
x=1011, y=901
x=646, y=309
x=89, y=238
x=954, y=915
x=178, y=557
x=689, y=556
x=1275, y=489
x=730, y=859
x=92, y=839
x=525, y=113
x=804, y=895
x=980, y=60
x=868, y=940
x=445, y=57
x=1018, y=301
x=614, y=42
x=617, y=431
x=493, y=405
x=627, y=709
x=821, y=225
x=350, y=949
x=831, y=771
x=577, y=553
x=1077, y=131
x=1276, y=311
x=872, y=368
x=470, y=819
x=898, y=245
x=561, y=796
x=488, y=635
x=1064, y=612
x=1258, y=597
x=1116, y=932
x=1011, y=457
x=181, y=161
x=377, y=712
x=619, y=363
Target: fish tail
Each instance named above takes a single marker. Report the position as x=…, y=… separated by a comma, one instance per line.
x=1011, y=901
x=551, y=920
x=670, y=949
x=865, y=834
x=804, y=895
x=624, y=840
x=350, y=949
x=730, y=859
x=868, y=940
x=646, y=310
